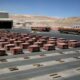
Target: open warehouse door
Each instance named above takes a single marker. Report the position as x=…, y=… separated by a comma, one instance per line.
x=5, y=21
x=6, y=24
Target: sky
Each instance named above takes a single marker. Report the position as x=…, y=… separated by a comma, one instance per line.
x=53, y=8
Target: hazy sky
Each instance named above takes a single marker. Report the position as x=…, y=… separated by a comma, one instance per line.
x=59, y=8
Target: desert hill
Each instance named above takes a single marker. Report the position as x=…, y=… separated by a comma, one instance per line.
x=26, y=21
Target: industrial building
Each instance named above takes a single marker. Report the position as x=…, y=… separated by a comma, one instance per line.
x=5, y=21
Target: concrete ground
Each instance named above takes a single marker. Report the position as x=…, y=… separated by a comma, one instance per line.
x=52, y=65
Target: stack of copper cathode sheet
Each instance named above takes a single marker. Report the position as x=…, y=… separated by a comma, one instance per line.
x=49, y=47
x=34, y=48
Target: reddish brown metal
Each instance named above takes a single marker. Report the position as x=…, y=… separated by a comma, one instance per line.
x=2, y=44
x=43, y=41
x=34, y=48
x=52, y=42
x=49, y=47
x=11, y=41
x=2, y=52
x=62, y=40
x=34, y=39
x=40, y=44
x=62, y=45
x=45, y=37
x=18, y=43
x=30, y=41
x=1, y=40
x=73, y=43
x=26, y=38
x=17, y=50
x=6, y=39
x=24, y=45
x=9, y=46
x=52, y=38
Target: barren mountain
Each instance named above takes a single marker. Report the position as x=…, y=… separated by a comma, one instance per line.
x=26, y=21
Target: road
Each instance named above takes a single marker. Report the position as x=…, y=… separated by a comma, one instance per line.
x=38, y=60
x=50, y=34
x=38, y=53
x=39, y=71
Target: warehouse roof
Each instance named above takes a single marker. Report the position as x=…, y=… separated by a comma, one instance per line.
x=5, y=19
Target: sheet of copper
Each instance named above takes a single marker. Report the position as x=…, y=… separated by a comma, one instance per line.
x=1, y=40
x=38, y=37
x=72, y=43
x=52, y=37
x=45, y=37
x=9, y=46
x=34, y=39
x=18, y=43
x=2, y=44
x=43, y=41
x=49, y=47
x=34, y=48
x=2, y=52
x=62, y=45
x=61, y=40
x=24, y=45
x=40, y=44
x=16, y=50
x=30, y=41
x=26, y=38
x=6, y=39
x=52, y=42
x=11, y=41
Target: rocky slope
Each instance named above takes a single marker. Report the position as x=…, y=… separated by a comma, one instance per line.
x=26, y=21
